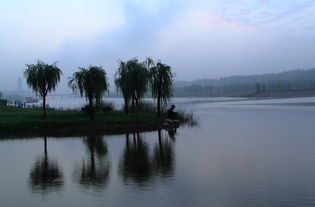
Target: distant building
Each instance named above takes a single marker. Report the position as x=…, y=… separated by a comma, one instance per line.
x=31, y=100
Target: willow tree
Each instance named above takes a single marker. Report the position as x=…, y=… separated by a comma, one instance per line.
x=132, y=80
x=161, y=80
x=42, y=78
x=139, y=76
x=122, y=79
x=92, y=83
x=149, y=62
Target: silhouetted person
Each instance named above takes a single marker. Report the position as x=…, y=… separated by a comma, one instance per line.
x=171, y=113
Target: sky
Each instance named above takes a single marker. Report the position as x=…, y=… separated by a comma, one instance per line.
x=197, y=38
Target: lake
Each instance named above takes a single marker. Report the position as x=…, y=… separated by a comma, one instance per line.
x=243, y=153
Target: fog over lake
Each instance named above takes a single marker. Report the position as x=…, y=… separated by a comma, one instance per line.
x=237, y=78
x=243, y=153
x=199, y=39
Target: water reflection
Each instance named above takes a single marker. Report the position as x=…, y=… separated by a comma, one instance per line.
x=94, y=171
x=172, y=132
x=135, y=164
x=270, y=164
x=139, y=166
x=142, y=162
x=45, y=176
x=163, y=156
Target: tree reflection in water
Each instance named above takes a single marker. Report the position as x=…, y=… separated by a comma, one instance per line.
x=163, y=155
x=45, y=175
x=172, y=132
x=94, y=172
x=135, y=164
x=141, y=167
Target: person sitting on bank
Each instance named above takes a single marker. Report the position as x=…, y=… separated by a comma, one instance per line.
x=171, y=113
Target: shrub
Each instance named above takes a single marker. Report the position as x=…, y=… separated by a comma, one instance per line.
x=145, y=106
x=86, y=108
x=188, y=118
x=107, y=106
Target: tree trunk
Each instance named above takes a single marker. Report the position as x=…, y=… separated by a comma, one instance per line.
x=98, y=103
x=133, y=104
x=137, y=103
x=159, y=104
x=91, y=108
x=44, y=106
x=126, y=105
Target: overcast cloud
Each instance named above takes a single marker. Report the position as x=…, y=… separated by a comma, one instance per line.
x=198, y=38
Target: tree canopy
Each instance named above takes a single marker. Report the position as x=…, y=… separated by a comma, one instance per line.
x=92, y=83
x=43, y=79
x=132, y=80
x=161, y=80
x=122, y=83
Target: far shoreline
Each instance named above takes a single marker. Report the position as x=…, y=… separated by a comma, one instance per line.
x=283, y=94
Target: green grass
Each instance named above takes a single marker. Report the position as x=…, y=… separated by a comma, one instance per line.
x=12, y=118
x=121, y=117
x=17, y=121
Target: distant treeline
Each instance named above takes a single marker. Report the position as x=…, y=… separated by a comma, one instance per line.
x=247, y=85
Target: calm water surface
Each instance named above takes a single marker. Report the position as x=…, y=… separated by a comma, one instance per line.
x=244, y=153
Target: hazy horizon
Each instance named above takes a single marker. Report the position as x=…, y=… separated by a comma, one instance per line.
x=197, y=38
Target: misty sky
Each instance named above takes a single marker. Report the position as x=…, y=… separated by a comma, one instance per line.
x=198, y=38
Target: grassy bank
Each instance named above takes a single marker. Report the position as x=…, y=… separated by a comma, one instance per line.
x=28, y=122
x=16, y=121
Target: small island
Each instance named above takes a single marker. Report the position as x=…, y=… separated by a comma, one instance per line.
x=19, y=122
x=133, y=80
